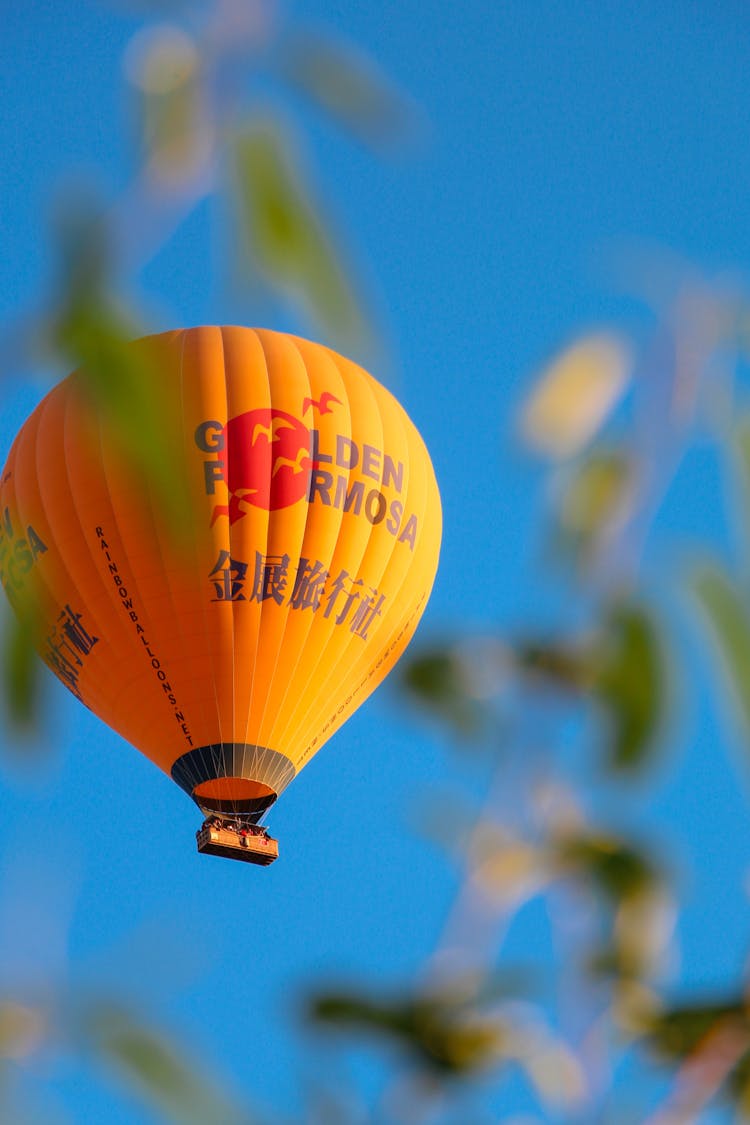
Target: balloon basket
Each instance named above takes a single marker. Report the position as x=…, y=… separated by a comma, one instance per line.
x=234, y=840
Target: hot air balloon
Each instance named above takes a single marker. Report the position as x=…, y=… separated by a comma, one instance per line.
x=230, y=648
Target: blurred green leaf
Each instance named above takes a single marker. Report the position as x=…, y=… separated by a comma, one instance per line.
x=739, y=1086
x=164, y=66
x=614, y=867
x=595, y=496
x=21, y=643
x=287, y=241
x=22, y=670
x=676, y=1032
x=720, y=1032
x=620, y=666
x=612, y=961
x=159, y=1069
x=349, y=87
x=436, y=680
x=712, y=1038
x=124, y=385
x=121, y=379
x=629, y=682
x=441, y=1032
x=564, y=665
x=728, y=616
x=576, y=394
x=84, y=247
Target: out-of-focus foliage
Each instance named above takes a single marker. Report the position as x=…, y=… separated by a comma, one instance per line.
x=21, y=672
x=285, y=236
x=617, y=667
x=575, y=396
x=350, y=87
x=596, y=496
x=164, y=66
x=614, y=868
x=728, y=615
x=95, y=336
x=629, y=684
x=454, y=1035
x=678, y=1032
x=204, y=133
x=151, y=1063
x=441, y=681
x=611, y=664
x=440, y=1031
x=148, y=1062
x=710, y=1044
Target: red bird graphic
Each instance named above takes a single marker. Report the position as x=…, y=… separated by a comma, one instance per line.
x=321, y=403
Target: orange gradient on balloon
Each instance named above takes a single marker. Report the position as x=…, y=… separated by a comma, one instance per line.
x=230, y=652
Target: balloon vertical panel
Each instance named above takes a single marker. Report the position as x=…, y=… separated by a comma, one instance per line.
x=317, y=550
x=342, y=477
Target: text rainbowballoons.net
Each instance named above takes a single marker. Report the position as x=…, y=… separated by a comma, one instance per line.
x=228, y=648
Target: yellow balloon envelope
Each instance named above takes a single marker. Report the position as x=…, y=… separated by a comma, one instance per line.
x=230, y=650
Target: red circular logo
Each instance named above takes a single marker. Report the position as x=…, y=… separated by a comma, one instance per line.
x=265, y=461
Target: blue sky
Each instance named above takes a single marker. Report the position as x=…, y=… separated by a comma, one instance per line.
x=558, y=136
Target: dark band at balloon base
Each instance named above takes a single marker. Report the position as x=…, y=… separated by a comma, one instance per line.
x=225, y=777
